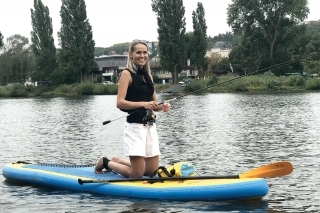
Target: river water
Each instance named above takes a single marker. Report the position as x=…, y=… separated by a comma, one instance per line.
x=218, y=133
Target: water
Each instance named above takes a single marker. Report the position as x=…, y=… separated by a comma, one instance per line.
x=218, y=133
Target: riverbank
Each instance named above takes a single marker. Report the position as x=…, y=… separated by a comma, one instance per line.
x=258, y=83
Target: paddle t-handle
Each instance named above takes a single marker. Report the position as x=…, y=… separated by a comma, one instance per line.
x=105, y=122
x=80, y=181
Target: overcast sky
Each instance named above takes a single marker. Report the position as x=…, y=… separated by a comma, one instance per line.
x=117, y=21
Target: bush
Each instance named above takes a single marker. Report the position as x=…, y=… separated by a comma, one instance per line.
x=37, y=91
x=112, y=89
x=101, y=89
x=4, y=92
x=85, y=88
x=239, y=86
x=254, y=81
x=161, y=87
x=62, y=90
x=294, y=81
x=213, y=80
x=194, y=86
x=270, y=81
x=99, y=79
x=18, y=90
x=312, y=84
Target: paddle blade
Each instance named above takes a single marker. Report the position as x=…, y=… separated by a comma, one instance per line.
x=272, y=170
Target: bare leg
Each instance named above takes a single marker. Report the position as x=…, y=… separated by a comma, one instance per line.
x=136, y=162
x=141, y=166
x=138, y=166
x=120, y=169
x=117, y=164
x=151, y=164
x=121, y=161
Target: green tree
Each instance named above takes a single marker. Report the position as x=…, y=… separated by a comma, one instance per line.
x=171, y=35
x=119, y=48
x=42, y=45
x=189, y=44
x=266, y=23
x=311, y=64
x=250, y=53
x=153, y=50
x=76, y=57
x=15, y=60
x=1, y=40
x=200, y=43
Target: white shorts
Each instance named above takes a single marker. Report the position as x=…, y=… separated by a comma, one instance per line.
x=140, y=140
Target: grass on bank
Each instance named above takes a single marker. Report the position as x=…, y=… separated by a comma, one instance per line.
x=19, y=90
x=257, y=83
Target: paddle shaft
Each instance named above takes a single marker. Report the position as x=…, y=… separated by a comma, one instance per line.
x=276, y=169
x=153, y=180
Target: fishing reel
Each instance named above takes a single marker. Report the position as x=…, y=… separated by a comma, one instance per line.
x=149, y=118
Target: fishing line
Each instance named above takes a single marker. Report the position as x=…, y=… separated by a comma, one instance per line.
x=280, y=65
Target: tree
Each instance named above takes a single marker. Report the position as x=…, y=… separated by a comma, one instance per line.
x=1, y=40
x=76, y=57
x=171, y=32
x=267, y=22
x=153, y=50
x=312, y=64
x=229, y=38
x=42, y=46
x=200, y=43
x=189, y=44
x=15, y=60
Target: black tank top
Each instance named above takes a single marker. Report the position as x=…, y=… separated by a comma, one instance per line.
x=138, y=91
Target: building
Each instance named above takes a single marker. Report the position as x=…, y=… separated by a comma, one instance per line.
x=163, y=75
x=189, y=71
x=311, y=21
x=110, y=67
x=219, y=48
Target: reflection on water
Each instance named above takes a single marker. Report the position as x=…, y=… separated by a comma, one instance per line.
x=218, y=133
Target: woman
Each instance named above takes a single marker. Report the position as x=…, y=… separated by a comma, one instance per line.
x=136, y=95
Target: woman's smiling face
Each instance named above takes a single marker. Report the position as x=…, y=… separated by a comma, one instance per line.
x=139, y=54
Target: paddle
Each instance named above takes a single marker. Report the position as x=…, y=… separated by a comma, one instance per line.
x=272, y=170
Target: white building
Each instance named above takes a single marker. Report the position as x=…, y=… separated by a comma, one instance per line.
x=219, y=48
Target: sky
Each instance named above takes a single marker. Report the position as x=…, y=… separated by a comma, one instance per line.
x=118, y=21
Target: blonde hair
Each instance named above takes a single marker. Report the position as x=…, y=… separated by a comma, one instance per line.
x=131, y=66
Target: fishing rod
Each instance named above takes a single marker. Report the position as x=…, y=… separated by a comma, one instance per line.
x=283, y=64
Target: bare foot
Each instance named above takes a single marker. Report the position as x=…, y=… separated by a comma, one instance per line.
x=99, y=166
